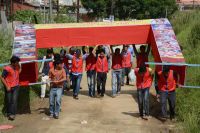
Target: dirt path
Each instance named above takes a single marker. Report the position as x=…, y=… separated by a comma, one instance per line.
x=89, y=115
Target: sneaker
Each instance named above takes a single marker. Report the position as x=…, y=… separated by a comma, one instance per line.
x=56, y=117
x=11, y=117
x=75, y=97
x=114, y=95
x=118, y=93
x=102, y=95
x=98, y=96
x=51, y=115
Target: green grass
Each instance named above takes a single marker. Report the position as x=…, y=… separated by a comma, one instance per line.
x=187, y=29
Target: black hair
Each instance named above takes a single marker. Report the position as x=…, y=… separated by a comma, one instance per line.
x=14, y=59
x=91, y=48
x=102, y=50
x=166, y=69
x=72, y=50
x=63, y=51
x=78, y=51
x=57, y=62
x=142, y=47
x=142, y=69
x=50, y=51
x=57, y=56
x=117, y=49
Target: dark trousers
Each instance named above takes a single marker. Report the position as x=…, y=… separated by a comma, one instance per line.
x=101, y=82
x=171, y=97
x=76, y=82
x=12, y=97
x=143, y=101
x=125, y=72
x=91, y=78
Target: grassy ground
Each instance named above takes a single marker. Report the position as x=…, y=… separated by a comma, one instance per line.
x=187, y=28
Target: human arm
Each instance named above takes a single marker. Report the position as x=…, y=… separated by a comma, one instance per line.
x=2, y=77
x=69, y=56
x=148, y=49
x=111, y=49
x=135, y=50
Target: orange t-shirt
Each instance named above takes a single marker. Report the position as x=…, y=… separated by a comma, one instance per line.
x=56, y=75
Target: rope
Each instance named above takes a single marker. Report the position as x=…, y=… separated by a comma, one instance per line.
x=172, y=64
x=26, y=62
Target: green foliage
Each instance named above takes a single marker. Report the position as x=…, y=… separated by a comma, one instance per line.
x=187, y=28
x=98, y=7
x=131, y=9
x=64, y=19
x=27, y=16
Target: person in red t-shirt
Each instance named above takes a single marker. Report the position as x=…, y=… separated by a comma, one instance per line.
x=102, y=70
x=57, y=75
x=167, y=83
x=144, y=80
x=91, y=71
x=116, y=71
x=10, y=79
x=142, y=56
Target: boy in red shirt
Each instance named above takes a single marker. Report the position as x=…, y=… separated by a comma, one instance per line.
x=91, y=71
x=143, y=82
x=167, y=83
x=10, y=79
x=102, y=70
x=57, y=75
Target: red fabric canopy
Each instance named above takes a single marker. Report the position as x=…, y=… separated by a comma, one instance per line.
x=46, y=38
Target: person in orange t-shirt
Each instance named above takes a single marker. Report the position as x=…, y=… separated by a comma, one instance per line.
x=57, y=76
x=10, y=79
x=144, y=80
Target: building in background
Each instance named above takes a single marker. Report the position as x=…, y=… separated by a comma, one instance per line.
x=188, y=4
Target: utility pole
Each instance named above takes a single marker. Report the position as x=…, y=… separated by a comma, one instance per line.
x=112, y=10
x=78, y=15
x=57, y=7
x=50, y=11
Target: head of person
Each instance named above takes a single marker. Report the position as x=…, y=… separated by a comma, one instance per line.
x=15, y=61
x=142, y=69
x=102, y=53
x=49, y=52
x=100, y=47
x=165, y=70
x=78, y=53
x=72, y=50
x=125, y=48
x=57, y=56
x=57, y=64
x=63, y=52
x=91, y=50
x=142, y=49
x=117, y=51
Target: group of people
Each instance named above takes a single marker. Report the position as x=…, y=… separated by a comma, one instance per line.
x=66, y=69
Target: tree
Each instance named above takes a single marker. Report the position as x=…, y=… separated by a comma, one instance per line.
x=131, y=9
x=98, y=7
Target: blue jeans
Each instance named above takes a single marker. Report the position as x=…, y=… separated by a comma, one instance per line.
x=76, y=81
x=91, y=78
x=116, y=81
x=55, y=100
x=171, y=97
x=12, y=98
x=125, y=72
x=143, y=101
